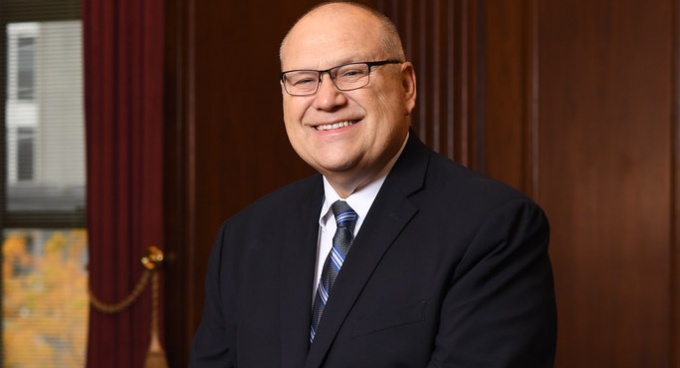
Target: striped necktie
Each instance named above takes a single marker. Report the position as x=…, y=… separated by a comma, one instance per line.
x=345, y=218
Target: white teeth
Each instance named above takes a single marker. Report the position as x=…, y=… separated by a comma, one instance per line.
x=341, y=124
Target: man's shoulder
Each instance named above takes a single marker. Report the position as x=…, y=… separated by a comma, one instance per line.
x=449, y=178
x=435, y=180
x=285, y=199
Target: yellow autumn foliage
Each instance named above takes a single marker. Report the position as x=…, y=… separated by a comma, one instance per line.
x=45, y=305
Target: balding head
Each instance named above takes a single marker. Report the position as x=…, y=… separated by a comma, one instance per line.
x=347, y=17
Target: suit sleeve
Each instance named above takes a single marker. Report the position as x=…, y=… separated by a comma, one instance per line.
x=499, y=310
x=213, y=341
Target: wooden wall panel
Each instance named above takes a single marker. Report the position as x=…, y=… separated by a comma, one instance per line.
x=475, y=66
x=675, y=202
x=439, y=38
x=508, y=116
x=605, y=176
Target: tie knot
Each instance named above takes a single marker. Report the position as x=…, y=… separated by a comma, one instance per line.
x=344, y=215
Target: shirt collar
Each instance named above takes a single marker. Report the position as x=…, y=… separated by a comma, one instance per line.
x=360, y=201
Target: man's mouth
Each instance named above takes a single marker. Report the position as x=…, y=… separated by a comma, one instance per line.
x=338, y=125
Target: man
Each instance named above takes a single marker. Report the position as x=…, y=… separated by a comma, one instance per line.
x=430, y=265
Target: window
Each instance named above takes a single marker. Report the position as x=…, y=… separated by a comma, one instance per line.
x=42, y=189
x=24, y=144
x=25, y=67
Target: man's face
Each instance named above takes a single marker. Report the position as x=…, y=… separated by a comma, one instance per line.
x=347, y=136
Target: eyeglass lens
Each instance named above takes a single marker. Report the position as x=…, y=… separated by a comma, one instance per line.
x=345, y=78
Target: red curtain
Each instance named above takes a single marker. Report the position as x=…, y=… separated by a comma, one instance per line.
x=123, y=62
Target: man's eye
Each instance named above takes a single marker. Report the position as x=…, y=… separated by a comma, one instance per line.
x=351, y=73
x=304, y=81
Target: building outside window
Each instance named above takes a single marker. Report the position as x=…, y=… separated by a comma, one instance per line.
x=42, y=194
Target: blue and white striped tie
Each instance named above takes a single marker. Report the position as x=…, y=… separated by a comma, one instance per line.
x=346, y=218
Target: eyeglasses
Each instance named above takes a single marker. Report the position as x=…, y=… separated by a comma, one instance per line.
x=345, y=77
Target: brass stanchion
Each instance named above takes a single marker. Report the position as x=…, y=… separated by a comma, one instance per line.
x=155, y=356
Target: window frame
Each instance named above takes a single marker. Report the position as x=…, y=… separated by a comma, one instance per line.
x=25, y=11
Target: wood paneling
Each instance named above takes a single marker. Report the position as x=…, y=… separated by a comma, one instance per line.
x=440, y=39
x=605, y=176
x=475, y=63
x=675, y=214
x=508, y=115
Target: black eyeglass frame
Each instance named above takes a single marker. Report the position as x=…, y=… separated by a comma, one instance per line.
x=369, y=64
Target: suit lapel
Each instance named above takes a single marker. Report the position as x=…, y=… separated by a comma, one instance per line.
x=390, y=213
x=296, y=277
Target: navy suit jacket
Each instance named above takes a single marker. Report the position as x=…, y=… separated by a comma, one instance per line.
x=449, y=269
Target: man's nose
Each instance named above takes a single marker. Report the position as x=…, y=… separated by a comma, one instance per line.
x=328, y=96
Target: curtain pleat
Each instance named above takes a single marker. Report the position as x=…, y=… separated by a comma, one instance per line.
x=123, y=62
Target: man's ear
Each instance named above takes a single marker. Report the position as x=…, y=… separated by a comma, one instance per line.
x=408, y=80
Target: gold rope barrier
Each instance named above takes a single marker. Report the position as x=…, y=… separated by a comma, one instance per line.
x=155, y=356
x=126, y=302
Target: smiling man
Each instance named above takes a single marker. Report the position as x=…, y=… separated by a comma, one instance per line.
x=349, y=121
x=391, y=256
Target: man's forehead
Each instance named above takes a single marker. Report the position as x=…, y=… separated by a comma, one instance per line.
x=318, y=44
x=321, y=56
